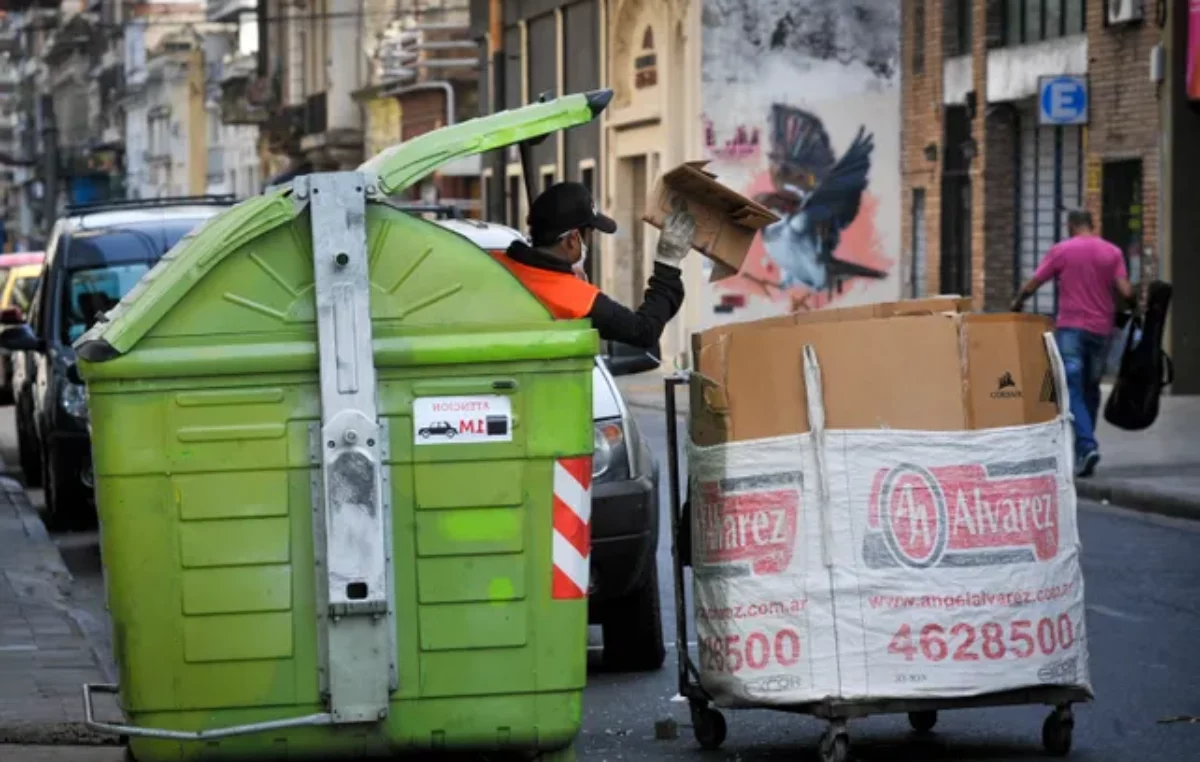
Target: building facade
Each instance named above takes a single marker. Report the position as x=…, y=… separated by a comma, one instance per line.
x=986, y=185
x=772, y=99
x=548, y=47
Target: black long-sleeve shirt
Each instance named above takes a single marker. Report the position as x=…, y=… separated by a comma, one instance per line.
x=613, y=321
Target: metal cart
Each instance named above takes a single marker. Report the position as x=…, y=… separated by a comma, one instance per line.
x=708, y=723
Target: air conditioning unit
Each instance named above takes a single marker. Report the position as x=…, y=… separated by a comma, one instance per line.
x=1125, y=11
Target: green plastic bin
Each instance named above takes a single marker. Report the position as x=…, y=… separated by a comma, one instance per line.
x=302, y=560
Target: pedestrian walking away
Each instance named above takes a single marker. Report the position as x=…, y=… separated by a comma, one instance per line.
x=559, y=220
x=1091, y=276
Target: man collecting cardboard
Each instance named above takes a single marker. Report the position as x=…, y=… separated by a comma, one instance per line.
x=559, y=220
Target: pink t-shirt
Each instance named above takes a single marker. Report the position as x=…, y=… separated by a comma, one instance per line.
x=1087, y=268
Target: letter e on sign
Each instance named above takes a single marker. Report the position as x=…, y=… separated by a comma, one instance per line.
x=1063, y=100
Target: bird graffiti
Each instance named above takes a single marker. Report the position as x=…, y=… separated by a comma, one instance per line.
x=816, y=199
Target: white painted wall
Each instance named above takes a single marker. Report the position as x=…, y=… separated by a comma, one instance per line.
x=839, y=61
x=1013, y=73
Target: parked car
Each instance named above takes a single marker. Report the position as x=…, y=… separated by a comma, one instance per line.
x=624, y=594
x=94, y=257
x=19, y=284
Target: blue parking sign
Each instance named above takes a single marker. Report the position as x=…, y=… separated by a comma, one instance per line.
x=1063, y=100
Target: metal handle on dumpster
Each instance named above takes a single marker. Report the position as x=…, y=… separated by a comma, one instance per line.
x=89, y=719
x=356, y=633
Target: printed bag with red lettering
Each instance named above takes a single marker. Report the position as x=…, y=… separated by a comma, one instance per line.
x=887, y=564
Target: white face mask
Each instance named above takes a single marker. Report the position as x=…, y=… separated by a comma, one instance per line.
x=583, y=252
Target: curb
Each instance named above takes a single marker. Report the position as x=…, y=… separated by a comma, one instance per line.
x=1139, y=499
x=56, y=734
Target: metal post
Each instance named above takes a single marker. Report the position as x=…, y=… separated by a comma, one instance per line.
x=498, y=92
x=49, y=133
x=352, y=520
x=681, y=633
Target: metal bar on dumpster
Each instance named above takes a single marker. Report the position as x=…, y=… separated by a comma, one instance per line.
x=117, y=729
x=351, y=521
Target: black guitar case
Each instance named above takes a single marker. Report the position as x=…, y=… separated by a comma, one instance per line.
x=1145, y=367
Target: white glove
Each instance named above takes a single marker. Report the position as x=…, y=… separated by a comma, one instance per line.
x=676, y=239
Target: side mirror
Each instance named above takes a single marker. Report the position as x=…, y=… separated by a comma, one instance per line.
x=625, y=360
x=12, y=316
x=20, y=338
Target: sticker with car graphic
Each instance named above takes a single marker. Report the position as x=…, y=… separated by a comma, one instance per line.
x=462, y=420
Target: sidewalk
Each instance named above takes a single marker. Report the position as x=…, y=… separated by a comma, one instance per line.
x=44, y=656
x=1156, y=471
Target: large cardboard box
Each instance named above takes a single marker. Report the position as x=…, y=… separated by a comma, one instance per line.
x=726, y=221
x=924, y=365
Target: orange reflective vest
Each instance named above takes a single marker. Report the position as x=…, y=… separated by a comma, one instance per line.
x=566, y=296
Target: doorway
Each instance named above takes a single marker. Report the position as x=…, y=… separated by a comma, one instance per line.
x=1121, y=211
x=630, y=275
x=955, y=263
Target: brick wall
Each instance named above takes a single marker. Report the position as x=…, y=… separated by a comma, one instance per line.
x=999, y=218
x=921, y=125
x=1125, y=113
x=1125, y=124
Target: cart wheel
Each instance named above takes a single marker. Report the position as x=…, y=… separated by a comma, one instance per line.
x=709, y=727
x=835, y=748
x=1056, y=733
x=923, y=722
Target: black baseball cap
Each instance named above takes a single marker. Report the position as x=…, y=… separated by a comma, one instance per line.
x=563, y=207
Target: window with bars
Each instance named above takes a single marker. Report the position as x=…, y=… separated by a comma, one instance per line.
x=1027, y=21
x=958, y=31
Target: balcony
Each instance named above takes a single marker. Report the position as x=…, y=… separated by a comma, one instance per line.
x=314, y=115
x=247, y=101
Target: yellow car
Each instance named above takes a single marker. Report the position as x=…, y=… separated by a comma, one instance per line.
x=19, y=284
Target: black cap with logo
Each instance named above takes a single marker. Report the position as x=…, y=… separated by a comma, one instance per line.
x=564, y=207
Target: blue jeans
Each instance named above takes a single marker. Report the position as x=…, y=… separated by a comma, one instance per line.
x=1084, y=355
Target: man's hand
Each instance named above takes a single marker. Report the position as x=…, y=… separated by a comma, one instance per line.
x=676, y=239
x=1018, y=304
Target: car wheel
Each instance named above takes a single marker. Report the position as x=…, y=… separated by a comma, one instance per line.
x=68, y=503
x=633, y=633
x=450, y=435
x=31, y=457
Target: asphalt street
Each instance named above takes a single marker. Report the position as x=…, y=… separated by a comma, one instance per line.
x=1142, y=577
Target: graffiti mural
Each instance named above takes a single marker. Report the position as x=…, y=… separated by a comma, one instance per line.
x=818, y=83
x=817, y=198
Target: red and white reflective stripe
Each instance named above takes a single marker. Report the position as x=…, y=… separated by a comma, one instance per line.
x=572, y=541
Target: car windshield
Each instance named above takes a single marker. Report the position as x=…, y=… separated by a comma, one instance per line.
x=105, y=264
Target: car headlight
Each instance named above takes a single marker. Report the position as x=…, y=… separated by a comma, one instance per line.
x=610, y=458
x=73, y=398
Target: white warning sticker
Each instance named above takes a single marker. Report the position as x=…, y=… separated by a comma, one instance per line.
x=462, y=420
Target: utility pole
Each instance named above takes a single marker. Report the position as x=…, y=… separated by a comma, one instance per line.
x=496, y=46
x=49, y=133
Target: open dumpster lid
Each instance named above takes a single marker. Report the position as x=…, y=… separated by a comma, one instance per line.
x=393, y=170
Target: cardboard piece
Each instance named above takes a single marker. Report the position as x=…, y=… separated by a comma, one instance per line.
x=889, y=366
x=726, y=221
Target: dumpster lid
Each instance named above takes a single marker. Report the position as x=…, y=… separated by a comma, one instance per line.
x=400, y=166
x=394, y=169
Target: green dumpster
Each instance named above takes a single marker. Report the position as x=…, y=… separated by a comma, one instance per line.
x=333, y=443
